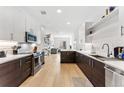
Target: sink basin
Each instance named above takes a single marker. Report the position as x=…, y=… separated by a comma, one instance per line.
x=97, y=56
x=105, y=58
x=109, y=59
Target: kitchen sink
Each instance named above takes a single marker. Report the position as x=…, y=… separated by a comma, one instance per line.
x=97, y=56
x=105, y=58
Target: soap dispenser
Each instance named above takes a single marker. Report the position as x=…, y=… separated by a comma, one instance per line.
x=111, y=56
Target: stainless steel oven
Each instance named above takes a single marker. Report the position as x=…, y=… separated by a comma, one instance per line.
x=38, y=61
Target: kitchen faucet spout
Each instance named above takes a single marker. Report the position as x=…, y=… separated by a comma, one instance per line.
x=108, y=54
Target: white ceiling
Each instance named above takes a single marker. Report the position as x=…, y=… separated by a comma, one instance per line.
x=56, y=23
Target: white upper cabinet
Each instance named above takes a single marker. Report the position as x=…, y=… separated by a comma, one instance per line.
x=19, y=25
x=104, y=22
x=82, y=34
x=12, y=24
x=34, y=27
x=6, y=23
x=121, y=15
x=30, y=24
x=121, y=20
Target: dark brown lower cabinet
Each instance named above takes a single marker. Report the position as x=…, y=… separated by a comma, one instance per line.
x=98, y=73
x=78, y=61
x=67, y=56
x=26, y=68
x=13, y=73
x=9, y=73
x=93, y=69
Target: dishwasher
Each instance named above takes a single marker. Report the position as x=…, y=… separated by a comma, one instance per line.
x=114, y=77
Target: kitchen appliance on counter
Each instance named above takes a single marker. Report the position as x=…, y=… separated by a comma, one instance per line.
x=30, y=38
x=15, y=49
x=117, y=51
x=2, y=54
x=38, y=61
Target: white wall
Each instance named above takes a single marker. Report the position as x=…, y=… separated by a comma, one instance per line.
x=80, y=37
x=58, y=42
x=58, y=39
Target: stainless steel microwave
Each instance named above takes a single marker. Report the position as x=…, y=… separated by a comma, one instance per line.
x=30, y=38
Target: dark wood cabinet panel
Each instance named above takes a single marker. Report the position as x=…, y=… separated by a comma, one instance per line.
x=98, y=73
x=67, y=56
x=78, y=59
x=26, y=63
x=13, y=73
x=9, y=73
x=93, y=69
x=26, y=68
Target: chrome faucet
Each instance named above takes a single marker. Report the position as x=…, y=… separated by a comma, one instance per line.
x=108, y=54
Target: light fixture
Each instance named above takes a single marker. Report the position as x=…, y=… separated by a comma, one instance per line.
x=59, y=11
x=68, y=23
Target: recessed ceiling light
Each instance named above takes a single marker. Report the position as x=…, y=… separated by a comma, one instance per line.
x=68, y=23
x=59, y=11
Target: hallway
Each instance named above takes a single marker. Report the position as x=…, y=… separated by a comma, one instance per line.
x=55, y=74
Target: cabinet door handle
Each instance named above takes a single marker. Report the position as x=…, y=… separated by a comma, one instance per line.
x=11, y=38
x=20, y=63
x=92, y=64
x=122, y=30
x=89, y=62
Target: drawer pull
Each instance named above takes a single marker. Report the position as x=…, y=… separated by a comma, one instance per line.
x=20, y=63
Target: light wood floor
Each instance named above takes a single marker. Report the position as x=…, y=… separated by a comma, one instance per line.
x=55, y=74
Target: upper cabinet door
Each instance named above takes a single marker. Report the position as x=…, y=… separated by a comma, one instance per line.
x=19, y=25
x=121, y=15
x=29, y=24
x=121, y=20
x=6, y=23
x=34, y=27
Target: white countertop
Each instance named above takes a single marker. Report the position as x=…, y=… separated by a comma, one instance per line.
x=68, y=50
x=12, y=57
x=116, y=64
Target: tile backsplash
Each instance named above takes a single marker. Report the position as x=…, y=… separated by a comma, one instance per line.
x=7, y=45
x=25, y=47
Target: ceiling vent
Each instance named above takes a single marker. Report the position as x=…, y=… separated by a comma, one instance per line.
x=43, y=12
